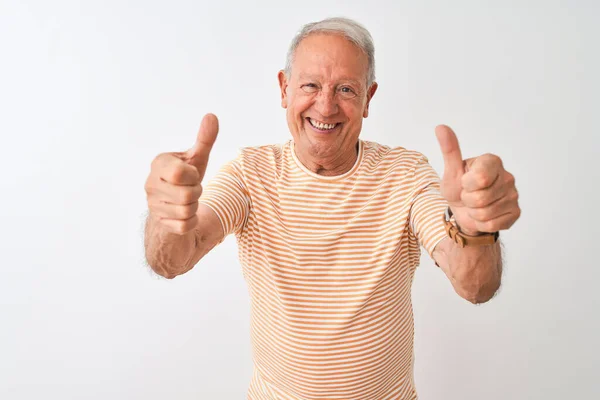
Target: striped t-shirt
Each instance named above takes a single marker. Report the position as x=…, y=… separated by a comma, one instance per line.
x=329, y=262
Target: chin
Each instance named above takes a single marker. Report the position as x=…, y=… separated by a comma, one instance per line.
x=322, y=148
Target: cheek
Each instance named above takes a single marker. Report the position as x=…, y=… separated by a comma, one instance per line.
x=300, y=106
x=354, y=112
x=294, y=113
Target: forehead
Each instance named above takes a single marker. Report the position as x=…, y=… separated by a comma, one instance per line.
x=330, y=56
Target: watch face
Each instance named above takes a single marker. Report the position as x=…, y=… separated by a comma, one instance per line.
x=447, y=214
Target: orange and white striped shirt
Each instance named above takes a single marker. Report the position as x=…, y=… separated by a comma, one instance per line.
x=329, y=262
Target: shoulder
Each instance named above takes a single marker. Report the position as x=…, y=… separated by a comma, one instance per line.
x=383, y=157
x=271, y=151
x=255, y=159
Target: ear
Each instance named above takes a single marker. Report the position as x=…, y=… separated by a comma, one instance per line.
x=283, y=84
x=370, y=94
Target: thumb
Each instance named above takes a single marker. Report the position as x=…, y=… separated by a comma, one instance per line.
x=453, y=161
x=198, y=154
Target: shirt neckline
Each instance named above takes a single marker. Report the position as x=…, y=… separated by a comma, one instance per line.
x=345, y=175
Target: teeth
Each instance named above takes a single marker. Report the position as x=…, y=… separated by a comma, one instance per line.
x=321, y=126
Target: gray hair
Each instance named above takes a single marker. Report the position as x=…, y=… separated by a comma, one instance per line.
x=351, y=30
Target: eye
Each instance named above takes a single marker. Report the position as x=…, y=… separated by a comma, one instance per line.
x=347, y=92
x=309, y=87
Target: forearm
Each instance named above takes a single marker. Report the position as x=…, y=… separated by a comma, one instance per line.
x=168, y=254
x=475, y=272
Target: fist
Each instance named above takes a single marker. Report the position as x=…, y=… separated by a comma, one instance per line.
x=174, y=184
x=480, y=192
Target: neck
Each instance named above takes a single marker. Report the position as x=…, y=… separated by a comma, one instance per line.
x=328, y=167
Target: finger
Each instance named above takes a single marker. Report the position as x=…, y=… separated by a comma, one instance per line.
x=494, y=210
x=484, y=197
x=174, y=194
x=453, y=161
x=499, y=223
x=177, y=172
x=180, y=227
x=207, y=134
x=482, y=173
x=163, y=209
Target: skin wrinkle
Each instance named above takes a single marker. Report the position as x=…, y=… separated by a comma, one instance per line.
x=479, y=285
x=323, y=64
x=162, y=258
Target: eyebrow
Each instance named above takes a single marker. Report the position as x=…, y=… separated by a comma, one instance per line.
x=343, y=78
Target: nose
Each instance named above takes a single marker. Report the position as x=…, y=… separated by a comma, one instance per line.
x=326, y=103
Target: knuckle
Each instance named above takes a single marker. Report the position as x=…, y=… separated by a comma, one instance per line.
x=187, y=211
x=485, y=179
x=175, y=173
x=155, y=162
x=193, y=209
x=510, y=222
x=509, y=178
x=480, y=178
x=493, y=158
x=514, y=196
x=148, y=186
x=187, y=196
x=179, y=212
x=152, y=181
x=479, y=200
x=158, y=161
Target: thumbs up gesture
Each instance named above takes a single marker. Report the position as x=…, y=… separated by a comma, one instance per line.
x=480, y=192
x=174, y=184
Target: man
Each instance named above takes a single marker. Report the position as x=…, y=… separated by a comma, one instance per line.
x=329, y=227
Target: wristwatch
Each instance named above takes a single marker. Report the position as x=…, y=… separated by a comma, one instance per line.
x=462, y=239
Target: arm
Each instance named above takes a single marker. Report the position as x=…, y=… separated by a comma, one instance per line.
x=483, y=199
x=475, y=272
x=179, y=230
x=171, y=254
x=222, y=210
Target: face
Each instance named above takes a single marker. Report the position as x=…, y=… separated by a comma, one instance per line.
x=326, y=97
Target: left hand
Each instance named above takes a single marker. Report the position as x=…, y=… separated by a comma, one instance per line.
x=481, y=193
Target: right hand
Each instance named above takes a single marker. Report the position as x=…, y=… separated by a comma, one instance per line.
x=174, y=184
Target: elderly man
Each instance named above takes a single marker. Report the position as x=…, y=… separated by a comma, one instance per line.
x=329, y=227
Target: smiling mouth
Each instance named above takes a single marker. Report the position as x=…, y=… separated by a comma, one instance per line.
x=321, y=126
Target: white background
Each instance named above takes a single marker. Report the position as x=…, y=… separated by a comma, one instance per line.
x=90, y=92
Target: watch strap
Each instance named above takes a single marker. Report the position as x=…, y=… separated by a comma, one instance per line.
x=463, y=239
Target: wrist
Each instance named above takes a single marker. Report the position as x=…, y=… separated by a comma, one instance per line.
x=458, y=221
x=466, y=237
x=468, y=231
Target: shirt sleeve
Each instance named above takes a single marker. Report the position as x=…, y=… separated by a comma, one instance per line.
x=227, y=195
x=428, y=207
